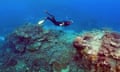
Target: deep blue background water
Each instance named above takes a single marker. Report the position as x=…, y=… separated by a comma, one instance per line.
x=86, y=14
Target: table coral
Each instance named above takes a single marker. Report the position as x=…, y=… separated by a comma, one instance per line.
x=35, y=49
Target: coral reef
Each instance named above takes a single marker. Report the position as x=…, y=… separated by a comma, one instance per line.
x=33, y=48
x=98, y=51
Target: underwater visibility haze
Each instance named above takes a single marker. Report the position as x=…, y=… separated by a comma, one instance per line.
x=85, y=14
x=59, y=36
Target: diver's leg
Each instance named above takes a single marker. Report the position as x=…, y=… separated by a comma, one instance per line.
x=49, y=18
x=52, y=19
x=49, y=14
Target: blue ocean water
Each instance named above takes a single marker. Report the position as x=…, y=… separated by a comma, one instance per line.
x=30, y=50
x=86, y=14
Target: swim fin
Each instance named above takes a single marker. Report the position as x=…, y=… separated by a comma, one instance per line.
x=41, y=22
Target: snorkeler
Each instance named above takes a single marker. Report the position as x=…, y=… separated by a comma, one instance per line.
x=55, y=22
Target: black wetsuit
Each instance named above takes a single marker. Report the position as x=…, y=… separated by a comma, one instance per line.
x=57, y=23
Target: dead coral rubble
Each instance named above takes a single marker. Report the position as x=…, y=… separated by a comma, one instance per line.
x=98, y=54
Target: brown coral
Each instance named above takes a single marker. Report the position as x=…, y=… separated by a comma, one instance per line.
x=97, y=53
